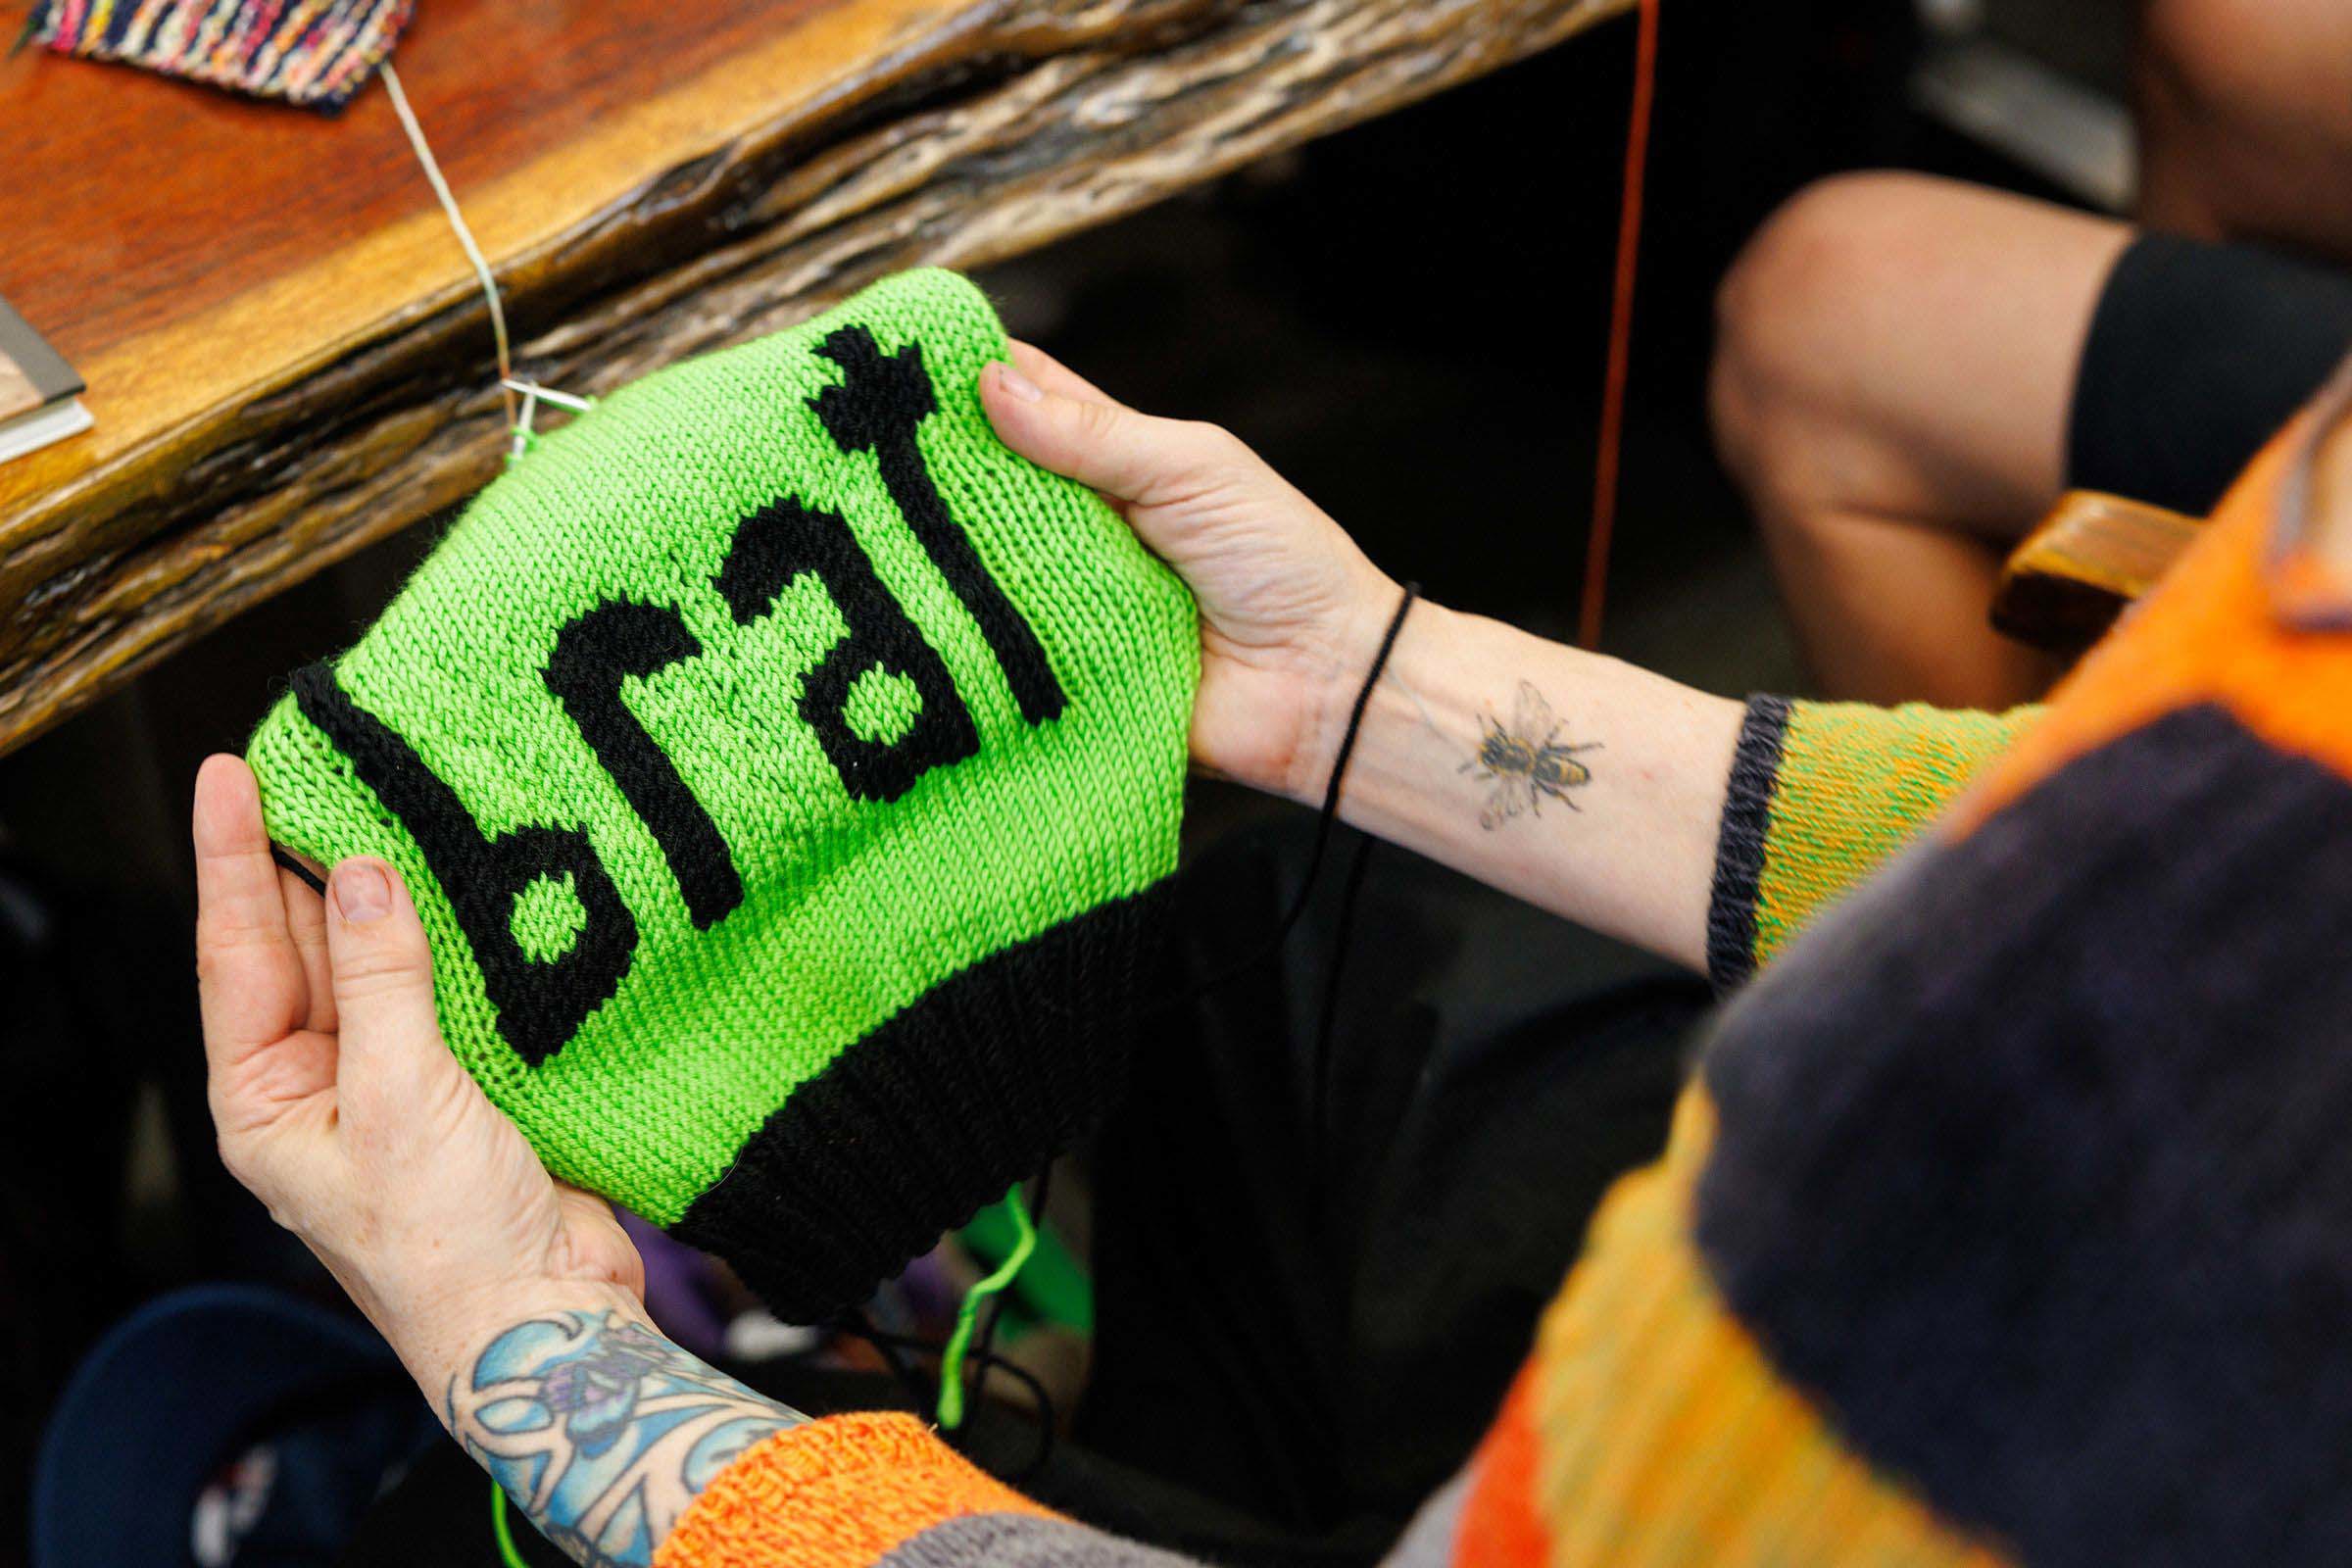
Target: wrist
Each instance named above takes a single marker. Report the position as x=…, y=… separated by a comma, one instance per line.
x=1356, y=674
x=440, y=1337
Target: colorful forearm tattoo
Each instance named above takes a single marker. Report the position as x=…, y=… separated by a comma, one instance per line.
x=602, y=1430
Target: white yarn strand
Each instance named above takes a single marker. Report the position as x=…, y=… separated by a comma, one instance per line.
x=473, y=252
x=548, y=394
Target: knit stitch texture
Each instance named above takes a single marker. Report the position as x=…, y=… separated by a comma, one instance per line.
x=315, y=55
x=1821, y=795
x=773, y=737
x=841, y=1491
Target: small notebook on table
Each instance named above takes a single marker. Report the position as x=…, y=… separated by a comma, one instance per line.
x=40, y=396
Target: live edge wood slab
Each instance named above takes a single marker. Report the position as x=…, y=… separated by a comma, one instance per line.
x=288, y=356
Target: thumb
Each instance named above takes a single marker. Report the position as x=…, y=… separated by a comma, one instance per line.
x=1103, y=445
x=383, y=978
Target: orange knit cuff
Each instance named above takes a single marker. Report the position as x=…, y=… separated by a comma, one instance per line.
x=838, y=1492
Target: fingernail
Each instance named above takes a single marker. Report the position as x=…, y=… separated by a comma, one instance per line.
x=362, y=892
x=1019, y=385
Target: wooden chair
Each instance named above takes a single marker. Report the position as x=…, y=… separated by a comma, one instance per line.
x=2075, y=573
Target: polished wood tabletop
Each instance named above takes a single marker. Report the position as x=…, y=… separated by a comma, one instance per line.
x=286, y=352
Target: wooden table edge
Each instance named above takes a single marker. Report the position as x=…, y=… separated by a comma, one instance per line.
x=169, y=574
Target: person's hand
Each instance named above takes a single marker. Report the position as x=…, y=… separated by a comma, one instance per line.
x=1291, y=613
x=340, y=1106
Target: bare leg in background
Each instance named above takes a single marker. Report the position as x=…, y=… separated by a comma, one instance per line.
x=1892, y=382
x=1897, y=357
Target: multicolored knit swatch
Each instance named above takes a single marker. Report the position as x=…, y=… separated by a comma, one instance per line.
x=314, y=53
x=787, y=774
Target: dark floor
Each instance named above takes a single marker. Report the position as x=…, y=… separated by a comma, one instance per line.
x=1408, y=319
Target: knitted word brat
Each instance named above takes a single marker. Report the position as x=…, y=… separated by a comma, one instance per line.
x=787, y=774
x=541, y=1001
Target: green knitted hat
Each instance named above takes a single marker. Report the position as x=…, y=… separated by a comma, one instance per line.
x=784, y=770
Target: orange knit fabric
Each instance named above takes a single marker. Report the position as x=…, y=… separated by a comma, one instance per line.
x=835, y=1493
x=1498, y=1523
x=2219, y=643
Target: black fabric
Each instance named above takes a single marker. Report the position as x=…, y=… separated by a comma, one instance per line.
x=2198, y=354
x=2033, y=1167
x=1307, y=1314
x=1739, y=846
x=972, y=1087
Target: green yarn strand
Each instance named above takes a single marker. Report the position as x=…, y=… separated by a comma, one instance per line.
x=968, y=1316
x=507, y=1552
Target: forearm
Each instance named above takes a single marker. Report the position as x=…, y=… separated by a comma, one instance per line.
x=601, y=1431
x=620, y=1448
x=1599, y=799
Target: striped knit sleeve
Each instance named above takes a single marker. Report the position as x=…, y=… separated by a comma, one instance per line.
x=881, y=1491
x=878, y=1490
x=1821, y=793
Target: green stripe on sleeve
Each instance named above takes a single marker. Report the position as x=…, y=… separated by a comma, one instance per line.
x=1821, y=793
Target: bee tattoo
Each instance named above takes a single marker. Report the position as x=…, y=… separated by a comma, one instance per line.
x=1525, y=761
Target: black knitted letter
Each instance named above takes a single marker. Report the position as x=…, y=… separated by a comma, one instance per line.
x=775, y=545
x=540, y=1003
x=879, y=405
x=593, y=655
